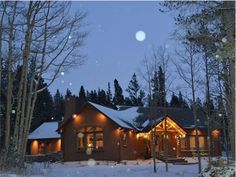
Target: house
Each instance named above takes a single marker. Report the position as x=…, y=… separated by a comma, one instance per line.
x=45, y=139
x=94, y=131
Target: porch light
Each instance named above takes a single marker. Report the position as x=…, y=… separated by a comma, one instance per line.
x=90, y=145
x=74, y=116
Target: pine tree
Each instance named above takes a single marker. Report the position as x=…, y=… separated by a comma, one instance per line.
x=82, y=93
x=109, y=95
x=141, y=98
x=162, y=91
x=155, y=90
x=118, y=98
x=68, y=93
x=182, y=102
x=136, y=95
x=43, y=110
x=128, y=102
x=59, y=106
x=174, y=101
x=199, y=103
x=93, y=96
x=102, y=97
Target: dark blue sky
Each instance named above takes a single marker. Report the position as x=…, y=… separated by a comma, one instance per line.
x=111, y=47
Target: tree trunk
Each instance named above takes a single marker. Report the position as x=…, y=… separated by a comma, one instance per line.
x=1, y=27
x=208, y=108
x=229, y=26
x=195, y=113
x=9, y=87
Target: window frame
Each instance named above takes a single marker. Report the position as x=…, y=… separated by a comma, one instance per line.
x=93, y=134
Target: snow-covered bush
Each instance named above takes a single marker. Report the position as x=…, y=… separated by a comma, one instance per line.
x=218, y=172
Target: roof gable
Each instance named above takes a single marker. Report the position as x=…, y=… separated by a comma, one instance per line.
x=125, y=118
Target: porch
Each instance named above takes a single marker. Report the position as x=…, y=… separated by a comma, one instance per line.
x=179, y=142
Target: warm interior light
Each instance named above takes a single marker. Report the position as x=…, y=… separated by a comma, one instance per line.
x=74, y=116
x=34, y=147
x=101, y=117
x=215, y=133
x=58, y=145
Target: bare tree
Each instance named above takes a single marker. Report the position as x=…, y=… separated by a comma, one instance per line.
x=157, y=58
x=48, y=41
x=187, y=67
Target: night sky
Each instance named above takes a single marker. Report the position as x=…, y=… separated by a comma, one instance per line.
x=112, y=49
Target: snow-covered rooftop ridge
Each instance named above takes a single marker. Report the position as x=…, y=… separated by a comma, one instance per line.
x=123, y=118
x=45, y=131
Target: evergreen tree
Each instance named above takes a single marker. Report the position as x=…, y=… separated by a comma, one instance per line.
x=82, y=93
x=118, y=98
x=88, y=96
x=162, y=91
x=128, y=102
x=102, y=97
x=93, y=96
x=155, y=90
x=211, y=106
x=59, y=106
x=43, y=110
x=199, y=103
x=136, y=95
x=141, y=97
x=68, y=93
x=174, y=101
x=109, y=95
x=183, y=103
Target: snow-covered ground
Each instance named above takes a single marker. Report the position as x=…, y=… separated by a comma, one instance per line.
x=93, y=168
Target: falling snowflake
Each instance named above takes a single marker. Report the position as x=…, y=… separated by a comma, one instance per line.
x=62, y=73
x=167, y=46
x=128, y=170
x=217, y=56
x=62, y=81
x=140, y=36
x=70, y=37
x=70, y=84
x=13, y=111
x=91, y=162
x=217, y=44
x=89, y=151
x=80, y=135
x=224, y=40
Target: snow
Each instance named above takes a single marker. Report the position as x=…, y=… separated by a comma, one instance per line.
x=122, y=118
x=45, y=131
x=145, y=123
x=92, y=168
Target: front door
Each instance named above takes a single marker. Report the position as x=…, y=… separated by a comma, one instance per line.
x=171, y=144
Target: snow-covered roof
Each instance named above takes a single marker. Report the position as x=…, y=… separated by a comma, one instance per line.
x=125, y=118
x=45, y=131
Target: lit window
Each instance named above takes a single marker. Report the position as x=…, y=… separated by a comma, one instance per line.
x=183, y=143
x=124, y=139
x=201, y=140
x=90, y=138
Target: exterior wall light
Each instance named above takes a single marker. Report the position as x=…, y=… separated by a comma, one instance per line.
x=74, y=116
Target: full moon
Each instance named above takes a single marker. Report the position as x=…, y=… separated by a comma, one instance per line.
x=140, y=36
